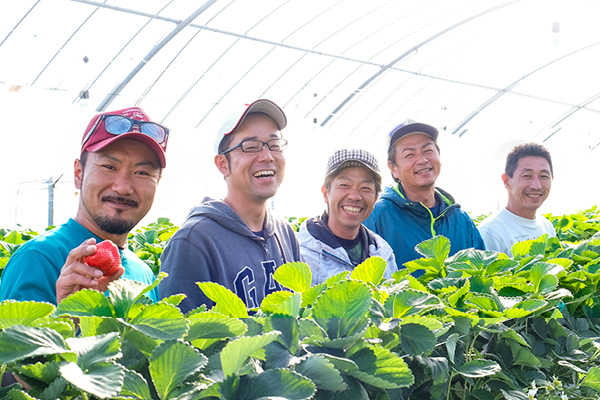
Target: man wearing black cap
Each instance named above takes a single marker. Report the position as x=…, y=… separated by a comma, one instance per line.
x=415, y=210
x=236, y=242
x=121, y=162
x=338, y=241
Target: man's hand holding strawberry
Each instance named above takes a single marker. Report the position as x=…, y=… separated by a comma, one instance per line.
x=89, y=266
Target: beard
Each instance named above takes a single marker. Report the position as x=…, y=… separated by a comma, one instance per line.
x=115, y=225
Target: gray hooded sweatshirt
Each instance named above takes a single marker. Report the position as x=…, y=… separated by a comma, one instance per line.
x=214, y=244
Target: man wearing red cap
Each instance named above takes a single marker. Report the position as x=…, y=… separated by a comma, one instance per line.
x=236, y=242
x=121, y=162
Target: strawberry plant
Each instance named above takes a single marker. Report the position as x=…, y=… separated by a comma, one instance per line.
x=148, y=242
x=477, y=325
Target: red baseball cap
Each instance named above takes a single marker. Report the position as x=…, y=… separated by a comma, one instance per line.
x=135, y=125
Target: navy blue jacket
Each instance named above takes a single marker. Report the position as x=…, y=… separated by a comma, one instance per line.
x=404, y=224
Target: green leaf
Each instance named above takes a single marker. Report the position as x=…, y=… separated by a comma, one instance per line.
x=95, y=349
x=381, y=368
x=523, y=356
x=160, y=321
x=340, y=308
x=487, y=305
x=530, y=247
x=102, y=380
x=276, y=384
x=227, y=301
x=274, y=300
x=135, y=386
x=310, y=296
x=236, y=352
x=411, y=302
x=46, y=372
x=294, y=275
x=209, y=326
x=437, y=248
x=416, y=339
x=289, y=331
x=438, y=366
x=19, y=342
x=171, y=364
x=510, y=334
x=592, y=379
x=285, y=304
x=369, y=271
x=416, y=284
x=347, y=299
x=431, y=266
x=524, y=308
x=85, y=303
x=451, y=346
x=22, y=312
x=322, y=373
x=514, y=395
x=543, y=276
x=454, y=298
x=479, y=368
x=123, y=294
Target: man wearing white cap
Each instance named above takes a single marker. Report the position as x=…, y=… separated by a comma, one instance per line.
x=338, y=241
x=414, y=209
x=236, y=242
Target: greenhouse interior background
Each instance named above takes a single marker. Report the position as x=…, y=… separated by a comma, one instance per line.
x=488, y=74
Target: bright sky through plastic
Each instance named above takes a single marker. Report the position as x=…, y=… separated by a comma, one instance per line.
x=488, y=75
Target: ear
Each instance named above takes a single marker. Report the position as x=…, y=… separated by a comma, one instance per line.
x=393, y=169
x=325, y=194
x=222, y=164
x=77, y=174
x=506, y=180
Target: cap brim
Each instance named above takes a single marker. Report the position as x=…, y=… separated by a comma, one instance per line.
x=140, y=137
x=353, y=163
x=259, y=106
x=413, y=129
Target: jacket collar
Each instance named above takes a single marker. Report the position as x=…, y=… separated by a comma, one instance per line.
x=318, y=228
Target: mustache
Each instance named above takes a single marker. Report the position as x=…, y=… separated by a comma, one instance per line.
x=121, y=200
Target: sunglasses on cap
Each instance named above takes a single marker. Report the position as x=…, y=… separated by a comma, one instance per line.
x=119, y=125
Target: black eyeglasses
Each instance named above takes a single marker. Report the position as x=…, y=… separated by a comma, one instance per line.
x=119, y=125
x=255, y=146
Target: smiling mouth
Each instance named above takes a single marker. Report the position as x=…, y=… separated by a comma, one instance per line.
x=534, y=195
x=120, y=201
x=264, y=174
x=423, y=171
x=353, y=210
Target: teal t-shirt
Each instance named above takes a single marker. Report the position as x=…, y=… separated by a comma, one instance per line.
x=31, y=272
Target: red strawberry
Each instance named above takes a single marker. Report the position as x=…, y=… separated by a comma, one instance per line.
x=106, y=258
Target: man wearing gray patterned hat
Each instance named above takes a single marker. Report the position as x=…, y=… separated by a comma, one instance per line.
x=338, y=241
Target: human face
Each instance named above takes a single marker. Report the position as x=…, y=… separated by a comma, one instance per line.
x=417, y=162
x=529, y=187
x=252, y=177
x=350, y=200
x=117, y=187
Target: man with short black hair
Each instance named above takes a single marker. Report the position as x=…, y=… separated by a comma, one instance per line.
x=527, y=178
x=121, y=162
x=338, y=241
x=236, y=242
x=415, y=210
